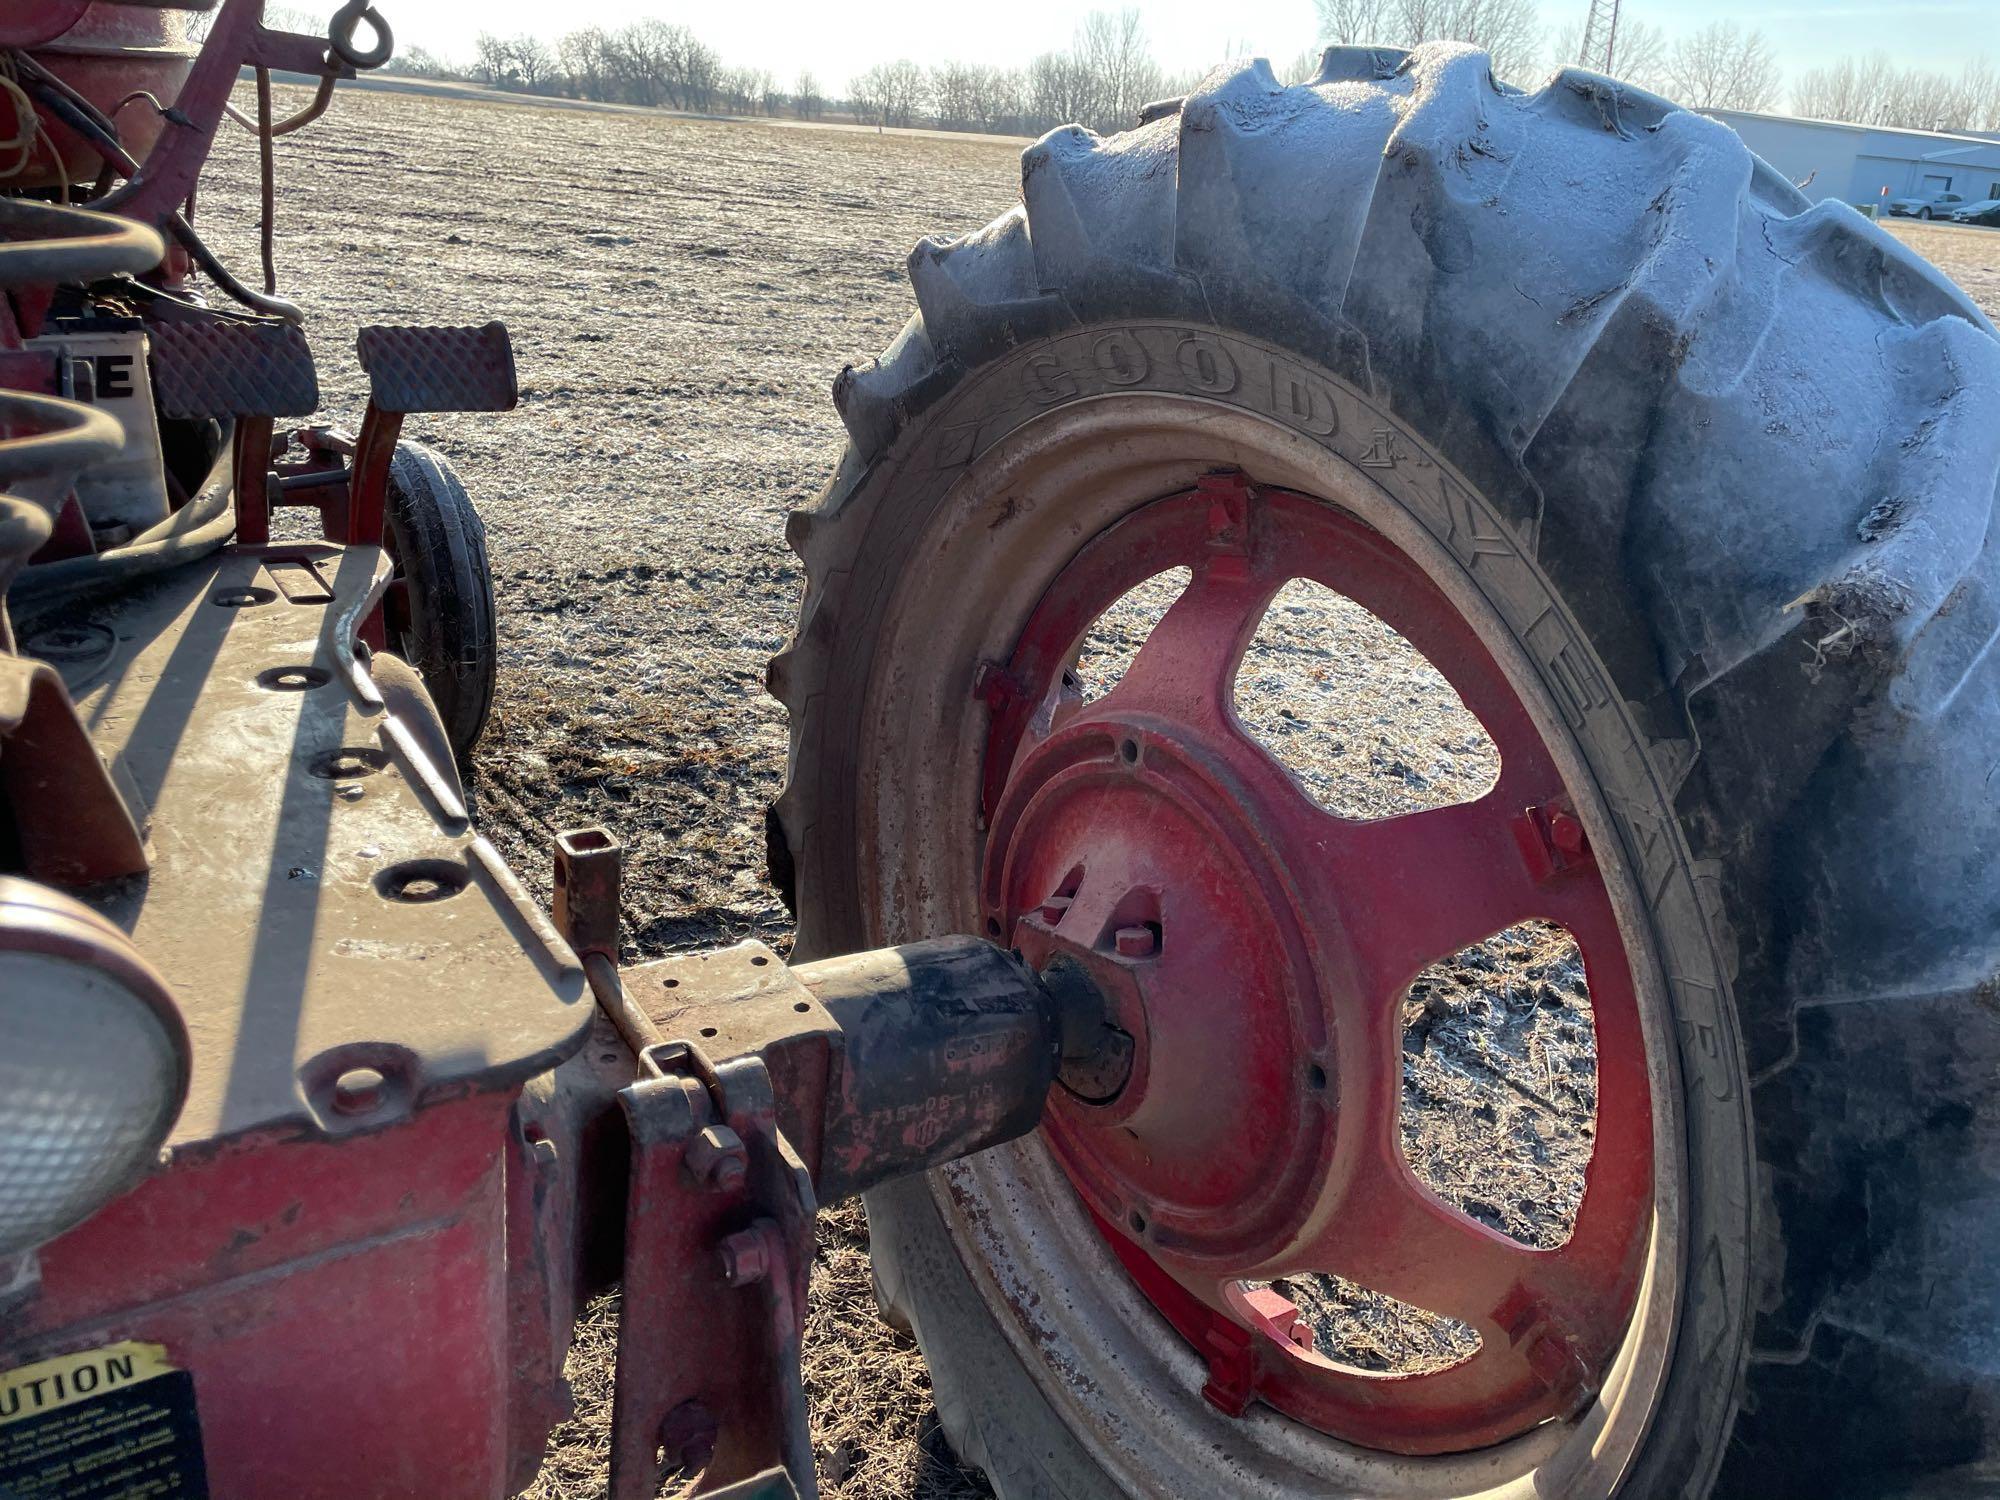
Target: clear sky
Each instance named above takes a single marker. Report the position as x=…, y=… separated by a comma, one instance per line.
x=839, y=40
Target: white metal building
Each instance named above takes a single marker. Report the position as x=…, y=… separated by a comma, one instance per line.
x=1864, y=164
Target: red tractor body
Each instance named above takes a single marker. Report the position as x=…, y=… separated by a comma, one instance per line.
x=382, y=1126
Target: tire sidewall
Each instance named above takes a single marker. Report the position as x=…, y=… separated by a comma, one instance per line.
x=912, y=488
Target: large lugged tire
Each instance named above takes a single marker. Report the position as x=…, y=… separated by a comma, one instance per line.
x=1718, y=467
x=441, y=613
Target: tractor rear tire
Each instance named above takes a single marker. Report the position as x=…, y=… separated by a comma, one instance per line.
x=1721, y=464
x=446, y=626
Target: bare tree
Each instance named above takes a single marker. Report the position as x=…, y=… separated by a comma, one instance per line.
x=1180, y=85
x=418, y=62
x=997, y=99
x=534, y=64
x=638, y=61
x=1640, y=55
x=585, y=58
x=1509, y=31
x=1345, y=21
x=807, y=102
x=1722, y=66
x=694, y=71
x=738, y=89
x=955, y=95
x=1638, y=52
x=869, y=94
x=1060, y=91
x=490, y=59
x=1112, y=48
x=1855, y=92
x=906, y=92
x=1973, y=99
x=1871, y=92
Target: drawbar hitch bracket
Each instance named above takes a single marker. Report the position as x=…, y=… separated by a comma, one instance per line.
x=763, y=1092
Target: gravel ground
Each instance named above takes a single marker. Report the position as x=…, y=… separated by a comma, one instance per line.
x=680, y=294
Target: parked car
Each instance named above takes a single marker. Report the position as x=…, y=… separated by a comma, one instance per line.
x=1984, y=211
x=1935, y=207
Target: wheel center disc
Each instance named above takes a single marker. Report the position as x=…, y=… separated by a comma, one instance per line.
x=1258, y=949
x=1134, y=847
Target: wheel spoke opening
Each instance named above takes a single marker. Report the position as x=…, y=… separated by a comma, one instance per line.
x=1364, y=720
x=1499, y=1098
x=1365, y=1331
x=1115, y=636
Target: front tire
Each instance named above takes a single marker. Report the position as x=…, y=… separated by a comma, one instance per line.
x=440, y=614
x=1718, y=466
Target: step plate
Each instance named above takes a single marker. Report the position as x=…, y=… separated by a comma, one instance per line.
x=439, y=369
x=227, y=369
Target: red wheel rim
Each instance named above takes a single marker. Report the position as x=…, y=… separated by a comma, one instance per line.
x=1258, y=947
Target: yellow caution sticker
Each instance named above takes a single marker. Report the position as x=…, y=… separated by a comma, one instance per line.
x=116, y=1423
x=68, y=1378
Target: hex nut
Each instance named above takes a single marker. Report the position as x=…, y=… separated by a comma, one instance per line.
x=717, y=1158
x=744, y=1258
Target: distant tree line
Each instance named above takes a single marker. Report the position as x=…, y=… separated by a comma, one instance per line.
x=1870, y=91
x=1101, y=80
x=649, y=63
x=1108, y=73
x=1718, y=66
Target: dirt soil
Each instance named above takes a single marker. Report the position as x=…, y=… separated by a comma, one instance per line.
x=681, y=294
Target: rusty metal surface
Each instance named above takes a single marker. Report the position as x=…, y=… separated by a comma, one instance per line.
x=743, y=1001
x=70, y=819
x=250, y=461
x=945, y=1047
x=713, y=1313
x=438, y=369
x=884, y=1062
x=231, y=368
x=589, y=866
x=368, y=481
x=169, y=171
x=778, y=1088
x=316, y=895
x=372, y=1268
x=42, y=23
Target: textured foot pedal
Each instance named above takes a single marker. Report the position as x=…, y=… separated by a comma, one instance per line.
x=226, y=369
x=439, y=369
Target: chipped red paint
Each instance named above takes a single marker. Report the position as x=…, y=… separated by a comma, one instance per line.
x=345, y=1306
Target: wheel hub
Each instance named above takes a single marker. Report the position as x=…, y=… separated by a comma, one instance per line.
x=1133, y=846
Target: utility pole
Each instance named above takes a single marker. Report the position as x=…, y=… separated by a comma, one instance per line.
x=1600, y=36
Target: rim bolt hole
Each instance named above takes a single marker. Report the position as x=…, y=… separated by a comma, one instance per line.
x=1316, y=1078
x=1137, y=1220
x=1128, y=751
